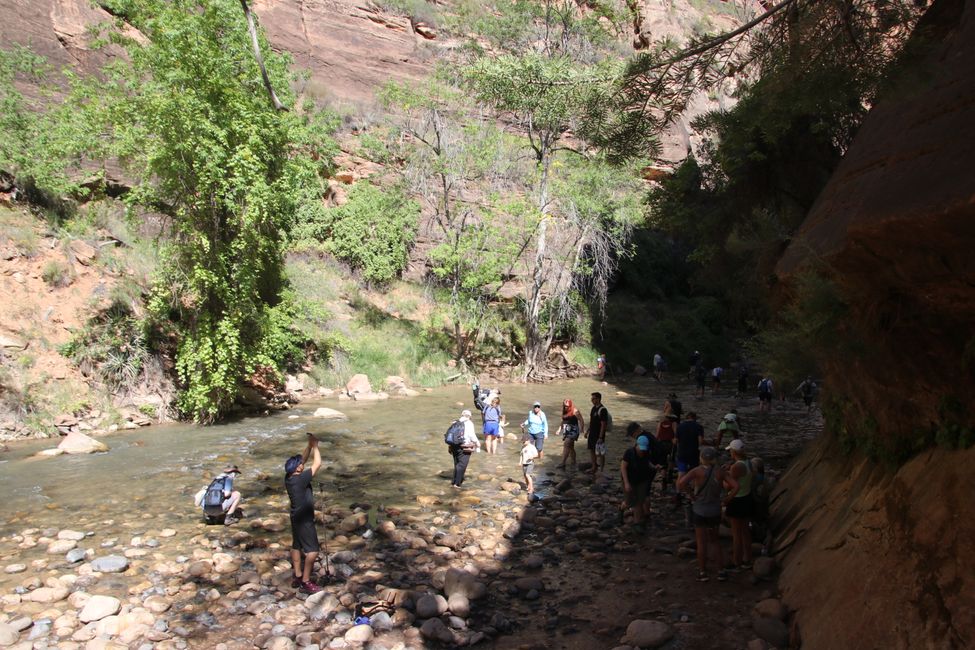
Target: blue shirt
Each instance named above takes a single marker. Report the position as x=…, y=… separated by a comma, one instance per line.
x=537, y=425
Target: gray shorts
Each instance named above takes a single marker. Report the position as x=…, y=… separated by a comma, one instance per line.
x=528, y=469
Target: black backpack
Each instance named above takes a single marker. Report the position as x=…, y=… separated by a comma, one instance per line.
x=455, y=433
x=213, y=499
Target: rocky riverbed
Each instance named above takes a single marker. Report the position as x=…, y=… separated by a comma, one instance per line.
x=482, y=566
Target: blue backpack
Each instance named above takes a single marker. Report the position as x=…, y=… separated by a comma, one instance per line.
x=213, y=499
x=455, y=433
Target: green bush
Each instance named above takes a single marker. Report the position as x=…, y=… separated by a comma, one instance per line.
x=372, y=232
x=56, y=275
x=112, y=346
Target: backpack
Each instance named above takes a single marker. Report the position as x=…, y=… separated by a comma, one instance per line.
x=455, y=433
x=763, y=386
x=609, y=420
x=213, y=498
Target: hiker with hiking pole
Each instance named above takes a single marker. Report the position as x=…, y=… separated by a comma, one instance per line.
x=304, y=537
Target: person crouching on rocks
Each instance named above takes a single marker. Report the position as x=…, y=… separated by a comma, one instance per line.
x=462, y=452
x=528, y=456
x=708, y=480
x=637, y=473
x=304, y=537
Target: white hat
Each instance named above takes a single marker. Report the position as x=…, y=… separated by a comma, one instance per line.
x=731, y=417
x=465, y=414
x=736, y=445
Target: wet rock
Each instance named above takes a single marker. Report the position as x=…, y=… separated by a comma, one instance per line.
x=78, y=443
x=771, y=608
x=647, y=634
x=757, y=644
x=427, y=606
x=359, y=634
x=8, y=635
x=529, y=583
x=458, y=581
x=157, y=604
x=15, y=568
x=75, y=555
x=293, y=616
x=110, y=564
x=329, y=414
x=772, y=630
x=71, y=534
x=534, y=562
x=279, y=643
x=99, y=607
x=381, y=622
x=61, y=546
x=48, y=594
x=358, y=384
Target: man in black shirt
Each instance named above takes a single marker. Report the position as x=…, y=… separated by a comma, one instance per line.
x=637, y=474
x=304, y=537
x=596, y=434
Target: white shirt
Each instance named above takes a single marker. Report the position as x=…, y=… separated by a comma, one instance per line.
x=470, y=438
x=528, y=454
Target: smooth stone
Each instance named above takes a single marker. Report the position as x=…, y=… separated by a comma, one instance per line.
x=772, y=608
x=15, y=568
x=110, y=564
x=772, y=630
x=61, y=546
x=359, y=634
x=71, y=534
x=647, y=634
x=329, y=414
x=75, y=555
x=763, y=567
x=8, y=635
x=427, y=606
x=459, y=605
x=98, y=607
x=435, y=630
x=381, y=621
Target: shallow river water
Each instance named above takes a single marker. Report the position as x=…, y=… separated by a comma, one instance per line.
x=388, y=456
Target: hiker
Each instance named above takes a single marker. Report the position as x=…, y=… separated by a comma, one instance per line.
x=536, y=426
x=716, y=373
x=596, y=434
x=808, y=389
x=694, y=360
x=708, y=480
x=572, y=424
x=762, y=485
x=729, y=425
x=690, y=439
x=663, y=450
x=701, y=377
x=219, y=499
x=765, y=388
x=637, y=473
x=462, y=451
x=492, y=416
x=659, y=365
x=601, y=366
x=673, y=407
x=739, y=507
x=528, y=455
x=304, y=536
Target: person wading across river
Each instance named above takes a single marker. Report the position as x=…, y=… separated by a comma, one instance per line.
x=492, y=416
x=304, y=537
x=572, y=424
x=462, y=452
x=596, y=435
x=536, y=426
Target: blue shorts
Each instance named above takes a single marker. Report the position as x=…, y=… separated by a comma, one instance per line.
x=538, y=440
x=491, y=428
x=684, y=467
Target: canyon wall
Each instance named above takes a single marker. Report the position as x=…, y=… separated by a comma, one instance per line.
x=878, y=554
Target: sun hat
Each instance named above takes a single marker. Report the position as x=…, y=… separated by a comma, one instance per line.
x=736, y=445
x=730, y=417
x=536, y=404
x=709, y=453
x=292, y=463
x=643, y=443
x=465, y=413
x=231, y=469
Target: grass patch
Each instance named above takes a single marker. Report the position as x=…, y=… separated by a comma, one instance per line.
x=57, y=275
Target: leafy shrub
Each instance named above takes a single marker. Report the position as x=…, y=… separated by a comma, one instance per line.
x=56, y=275
x=372, y=232
x=112, y=347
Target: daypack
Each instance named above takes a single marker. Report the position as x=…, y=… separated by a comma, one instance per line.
x=763, y=386
x=609, y=420
x=455, y=433
x=213, y=498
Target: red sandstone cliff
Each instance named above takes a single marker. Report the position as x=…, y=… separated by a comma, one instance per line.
x=883, y=558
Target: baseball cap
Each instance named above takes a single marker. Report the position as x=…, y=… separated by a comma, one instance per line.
x=731, y=417
x=736, y=445
x=465, y=413
x=643, y=443
x=709, y=453
x=536, y=404
x=292, y=463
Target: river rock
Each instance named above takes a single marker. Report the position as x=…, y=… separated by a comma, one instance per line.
x=48, y=594
x=293, y=616
x=435, y=630
x=358, y=384
x=75, y=555
x=98, y=607
x=459, y=605
x=772, y=630
x=359, y=634
x=110, y=564
x=8, y=635
x=279, y=643
x=772, y=608
x=763, y=567
x=15, y=568
x=71, y=534
x=370, y=397
x=381, y=622
x=647, y=634
x=61, y=546
x=157, y=604
x=529, y=584
x=78, y=443
x=329, y=414
x=427, y=606
x=458, y=581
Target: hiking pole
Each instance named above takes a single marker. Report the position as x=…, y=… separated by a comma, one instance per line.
x=321, y=494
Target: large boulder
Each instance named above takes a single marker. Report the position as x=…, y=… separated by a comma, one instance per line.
x=358, y=384
x=78, y=443
x=647, y=634
x=329, y=414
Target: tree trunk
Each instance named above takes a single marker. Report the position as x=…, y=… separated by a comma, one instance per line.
x=252, y=28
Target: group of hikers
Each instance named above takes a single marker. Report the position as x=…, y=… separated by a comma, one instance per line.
x=679, y=450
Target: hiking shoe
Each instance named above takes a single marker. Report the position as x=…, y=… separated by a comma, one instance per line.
x=309, y=588
x=295, y=582
x=702, y=576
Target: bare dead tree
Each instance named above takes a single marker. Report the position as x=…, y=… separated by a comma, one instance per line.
x=252, y=28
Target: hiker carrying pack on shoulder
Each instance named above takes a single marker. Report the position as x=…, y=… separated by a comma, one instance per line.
x=219, y=500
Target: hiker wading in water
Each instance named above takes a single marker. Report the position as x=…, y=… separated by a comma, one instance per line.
x=304, y=537
x=461, y=453
x=572, y=424
x=708, y=481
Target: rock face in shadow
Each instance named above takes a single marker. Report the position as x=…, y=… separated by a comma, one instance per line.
x=882, y=557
